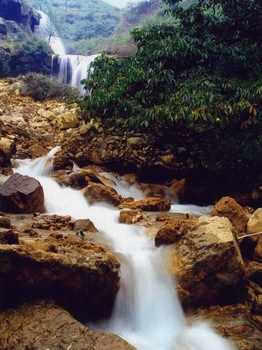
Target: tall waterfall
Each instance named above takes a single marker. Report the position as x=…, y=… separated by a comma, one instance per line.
x=71, y=68
x=147, y=310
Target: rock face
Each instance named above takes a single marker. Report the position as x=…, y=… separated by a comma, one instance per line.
x=229, y=208
x=45, y=325
x=78, y=274
x=21, y=194
x=19, y=12
x=207, y=263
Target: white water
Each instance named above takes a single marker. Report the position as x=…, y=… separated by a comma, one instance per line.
x=147, y=311
x=47, y=32
x=73, y=69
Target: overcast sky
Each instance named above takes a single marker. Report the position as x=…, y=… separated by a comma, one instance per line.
x=121, y=3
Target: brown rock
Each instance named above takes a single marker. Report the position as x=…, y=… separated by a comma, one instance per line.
x=148, y=204
x=44, y=325
x=95, y=192
x=167, y=235
x=233, y=322
x=21, y=194
x=8, y=236
x=207, y=263
x=255, y=222
x=229, y=208
x=79, y=275
x=130, y=216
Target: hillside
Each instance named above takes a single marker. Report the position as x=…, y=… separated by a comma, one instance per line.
x=92, y=26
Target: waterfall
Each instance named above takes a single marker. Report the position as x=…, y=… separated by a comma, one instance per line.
x=147, y=311
x=73, y=69
x=47, y=31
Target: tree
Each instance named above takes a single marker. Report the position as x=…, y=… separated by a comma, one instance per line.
x=201, y=72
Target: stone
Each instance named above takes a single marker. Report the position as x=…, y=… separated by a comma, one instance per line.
x=207, y=263
x=45, y=325
x=229, y=208
x=8, y=236
x=167, y=235
x=79, y=275
x=254, y=224
x=95, y=192
x=21, y=194
x=7, y=150
x=148, y=204
x=130, y=216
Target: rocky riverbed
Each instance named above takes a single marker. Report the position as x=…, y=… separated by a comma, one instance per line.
x=58, y=272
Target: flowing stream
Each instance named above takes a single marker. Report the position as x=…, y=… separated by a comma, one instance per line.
x=147, y=312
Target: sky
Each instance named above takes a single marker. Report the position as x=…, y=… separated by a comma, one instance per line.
x=121, y=3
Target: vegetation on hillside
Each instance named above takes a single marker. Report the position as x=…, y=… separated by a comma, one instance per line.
x=206, y=67
x=201, y=74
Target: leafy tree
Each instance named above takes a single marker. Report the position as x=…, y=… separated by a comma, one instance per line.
x=201, y=72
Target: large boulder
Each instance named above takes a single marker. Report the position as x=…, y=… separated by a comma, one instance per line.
x=44, y=325
x=21, y=194
x=207, y=263
x=79, y=275
x=229, y=208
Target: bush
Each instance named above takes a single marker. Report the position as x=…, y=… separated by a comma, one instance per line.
x=40, y=87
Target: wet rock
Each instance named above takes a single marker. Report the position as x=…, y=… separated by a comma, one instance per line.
x=148, y=204
x=229, y=208
x=7, y=150
x=79, y=275
x=130, y=216
x=167, y=235
x=95, y=192
x=207, y=263
x=44, y=325
x=255, y=222
x=8, y=236
x=21, y=194
x=233, y=322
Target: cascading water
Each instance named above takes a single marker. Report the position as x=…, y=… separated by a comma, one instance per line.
x=147, y=311
x=46, y=31
x=73, y=69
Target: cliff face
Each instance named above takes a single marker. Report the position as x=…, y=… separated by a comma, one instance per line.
x=16, y=13
x=20, y=50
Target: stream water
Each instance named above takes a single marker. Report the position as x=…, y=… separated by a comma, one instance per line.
x=147, y=312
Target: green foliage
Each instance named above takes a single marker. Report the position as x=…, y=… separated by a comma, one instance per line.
x=201, y=72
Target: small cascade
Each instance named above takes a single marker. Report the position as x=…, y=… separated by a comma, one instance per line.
x=147, y=310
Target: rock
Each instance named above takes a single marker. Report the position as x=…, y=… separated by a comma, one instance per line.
x=130, y=216
x=7, y=150
x=84, y=225
x=233, y=322
x=5, y=222
x=254, y=224
x=79, y=275
x=8, y=236
x=95, y=192
x=207, y=263
x=21, y=194
x=148, y=204
x=257, y=256
x=44, y=325
x=229, y=208
x=167, y=235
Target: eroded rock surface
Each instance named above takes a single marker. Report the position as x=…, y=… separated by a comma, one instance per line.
x=44, y=325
